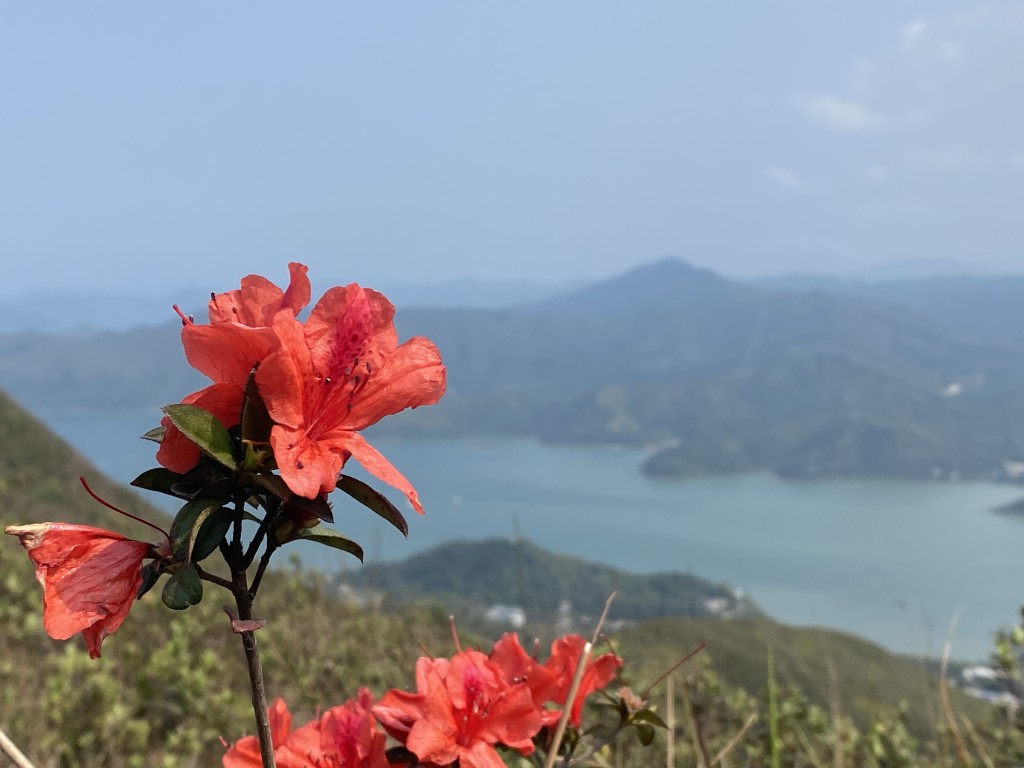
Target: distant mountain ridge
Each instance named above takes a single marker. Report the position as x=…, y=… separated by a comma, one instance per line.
x=913, y=379
x=474, y=575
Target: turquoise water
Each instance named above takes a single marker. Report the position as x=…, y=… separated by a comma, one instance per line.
x=892, y=561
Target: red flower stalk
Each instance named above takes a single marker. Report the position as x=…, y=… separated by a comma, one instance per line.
x=463, y=707
x=237, y=338
x=90, y=577
x=344, y=737
x=335, y=375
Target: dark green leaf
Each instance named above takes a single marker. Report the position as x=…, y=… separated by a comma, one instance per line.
x=208, y=532
x=203, y=429
x=187, y=519
x=647, y=716
x=203, y=480
x=644, y=732
x=156, y=434
x=331, y=538
x=150, y=573
x=183, y=589
x=374, y=500
x=299, y=508
x=275, y=485
x=157, y=479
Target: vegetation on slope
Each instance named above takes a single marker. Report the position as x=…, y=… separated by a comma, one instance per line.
x=170, y=685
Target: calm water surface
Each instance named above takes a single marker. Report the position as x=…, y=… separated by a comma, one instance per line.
x=892, y=561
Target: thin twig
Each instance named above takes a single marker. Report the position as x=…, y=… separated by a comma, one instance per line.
x=213, y=579
x=647, y=691
x=976, y=741
x=264, y=562
x=11, y=750
x=947, y=710
x=731, y=745
x=581, y=666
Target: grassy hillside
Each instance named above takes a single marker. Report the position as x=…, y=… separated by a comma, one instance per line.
x=170, y=684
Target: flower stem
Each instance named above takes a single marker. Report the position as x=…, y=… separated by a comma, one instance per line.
x=252, y=657
x=243, y=600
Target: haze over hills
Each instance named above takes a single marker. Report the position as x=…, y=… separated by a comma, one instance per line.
x=906, y=379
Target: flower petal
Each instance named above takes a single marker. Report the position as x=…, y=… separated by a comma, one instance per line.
x=413, y=375
x=374, y=463
x=90, y=577
x=226, y=352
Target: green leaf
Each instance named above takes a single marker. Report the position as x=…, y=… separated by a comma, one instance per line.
x=157, y=479
x=209, y=530
x=648, y=716
x=183, y=589
x=374, y=500
x=150, y=573
x=202, y=428
x=155, y=435
x=189, y=518
x=644, y=732
x=330, y=537
x=275, y=485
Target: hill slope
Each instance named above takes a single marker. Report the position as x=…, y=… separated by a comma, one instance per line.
x=472, y=575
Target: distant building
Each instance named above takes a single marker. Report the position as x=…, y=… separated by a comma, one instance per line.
x=510, y=615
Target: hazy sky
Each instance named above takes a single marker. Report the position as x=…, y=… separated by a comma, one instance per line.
x=192, y=142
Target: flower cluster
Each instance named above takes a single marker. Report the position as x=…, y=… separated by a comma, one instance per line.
x=345, y=736
x=322, y=380
x=464, y=708
x=273, y=430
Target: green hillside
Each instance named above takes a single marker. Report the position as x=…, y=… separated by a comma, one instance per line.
x=472, y=575
x=170, y=684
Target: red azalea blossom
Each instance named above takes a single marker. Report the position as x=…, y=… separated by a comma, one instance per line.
x=565, y=655
x=522, y=669
x=461, y=710
x=335, y=375
x=344, y=737
x=238, y=337
x=90, y=577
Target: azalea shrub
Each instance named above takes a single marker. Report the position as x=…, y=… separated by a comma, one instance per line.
x=467, y=711
x=254, y=457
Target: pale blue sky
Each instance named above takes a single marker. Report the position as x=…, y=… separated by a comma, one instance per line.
x=192, y=142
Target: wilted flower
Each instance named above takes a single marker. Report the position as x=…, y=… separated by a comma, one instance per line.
x=90, y=577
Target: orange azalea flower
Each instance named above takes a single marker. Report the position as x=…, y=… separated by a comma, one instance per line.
x=344, y=737
x=519, y=668
x=335, y=375
x=90, y=577
x=565, y=655
x=226, y=350
x=462, y=709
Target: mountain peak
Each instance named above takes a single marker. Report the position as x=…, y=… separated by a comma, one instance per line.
x=667, y=280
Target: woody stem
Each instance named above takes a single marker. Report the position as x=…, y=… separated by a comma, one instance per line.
x=252, y=658
x=243, y=601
